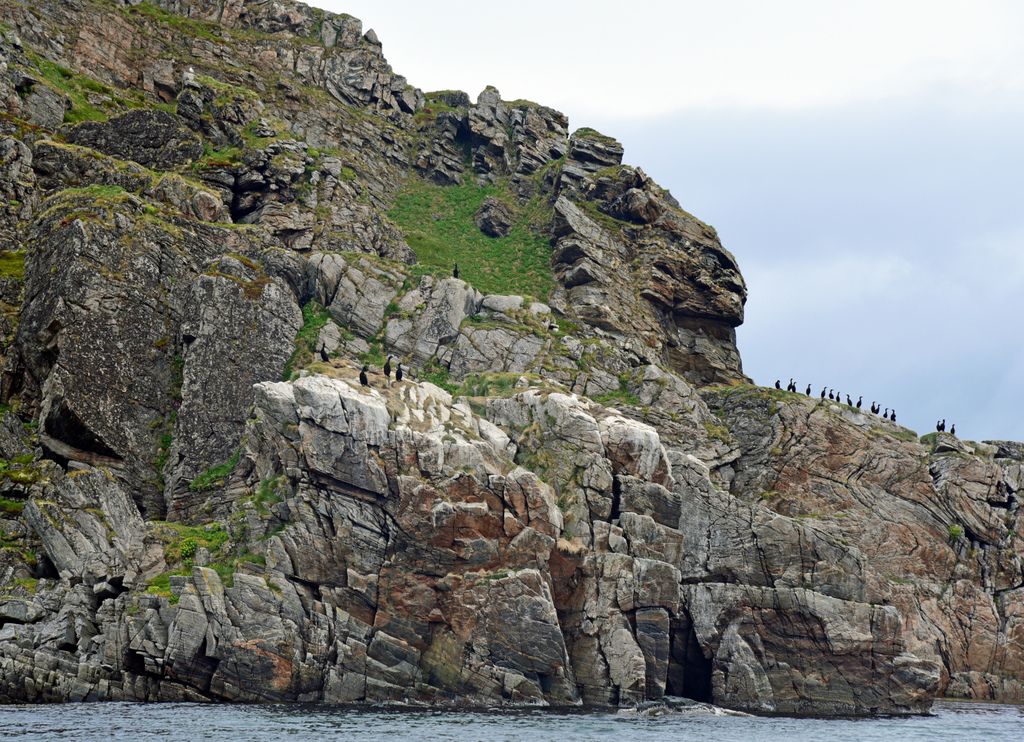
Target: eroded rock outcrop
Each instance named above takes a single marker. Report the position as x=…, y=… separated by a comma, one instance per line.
x=209, y=222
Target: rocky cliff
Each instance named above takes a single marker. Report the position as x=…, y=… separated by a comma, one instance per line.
x=214, y=212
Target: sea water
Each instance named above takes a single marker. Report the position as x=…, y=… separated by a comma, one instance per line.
x=186, y=722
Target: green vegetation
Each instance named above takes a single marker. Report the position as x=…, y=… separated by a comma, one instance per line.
x=181, y=543
x=438, y=375
x=955, y=532
x=439, y=226
x=12, y=264
x=314, y=317
x=267, y=494
x=620, y=396
x=718, y=432
x=75, y=86
x=20, y=469
x=11, y=507
x=215, y=476
x=186, y=27
x=491, y=384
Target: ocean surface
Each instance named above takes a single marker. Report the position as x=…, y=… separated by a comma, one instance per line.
x=183, y=722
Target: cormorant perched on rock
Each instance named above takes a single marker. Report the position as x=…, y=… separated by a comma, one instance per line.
x=952, y=429
x=860, y=401
x=398, y=372
x=455, y=271
x=807, y=391
x=874, y=408
x=387, y=368
x=791, y=387
x=940, y=426
x=886, y=413
x=363, y=378
x=849, y=402
x=823, y=393
x=830, y=394
x=323, y=354
x=778, y=385
x=892, y=415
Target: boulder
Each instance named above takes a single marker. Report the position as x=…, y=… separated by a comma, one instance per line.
x=494, y=218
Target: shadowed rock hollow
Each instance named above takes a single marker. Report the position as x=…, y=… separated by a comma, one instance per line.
x=214, y=213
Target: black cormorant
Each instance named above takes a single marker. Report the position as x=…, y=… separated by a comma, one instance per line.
x=830, y=394
x=363, y=379
x=387, y=368
x=792, y=385
x=807, y=391
x=849, y=402
x=892, y=415
x=860, y=401
x=952, y=429
x=455, y=271
x=778, y=384
x=874, y=408
x=323, y=354
x=886, y=413
x=823, y=392
x=398, y=372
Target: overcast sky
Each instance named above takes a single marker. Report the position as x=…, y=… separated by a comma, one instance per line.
x=863, y=161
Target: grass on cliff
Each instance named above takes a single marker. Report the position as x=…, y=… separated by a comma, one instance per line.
x=314, y=317
x=12, y=264
x=438, y=225
x=215, y=476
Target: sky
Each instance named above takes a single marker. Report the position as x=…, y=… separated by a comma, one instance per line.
x=863, y=161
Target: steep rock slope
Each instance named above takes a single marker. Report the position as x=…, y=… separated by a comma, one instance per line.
x=215, y=211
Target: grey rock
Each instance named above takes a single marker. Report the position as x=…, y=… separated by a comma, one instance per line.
x=494, y=218
x=155, y=139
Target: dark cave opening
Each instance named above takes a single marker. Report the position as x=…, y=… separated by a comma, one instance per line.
x=689, y=671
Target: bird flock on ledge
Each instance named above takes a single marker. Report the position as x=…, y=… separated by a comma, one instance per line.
x=888, y=414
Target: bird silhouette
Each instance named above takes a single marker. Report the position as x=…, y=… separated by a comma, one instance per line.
x=849, y=402
x=363, y=378
x=792, y=385
x=398, y=372
x=387, y=368
x=892, y=415
x=886, y=413
x=323, y=354
x=874, y=408
x=778, y=385
x=830, y=394
x=952, y=429
x=860, y=401
x=455, y=271
x=823, y=392
x=807, y=391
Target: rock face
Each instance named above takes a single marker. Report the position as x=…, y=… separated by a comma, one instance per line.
x=571, y=497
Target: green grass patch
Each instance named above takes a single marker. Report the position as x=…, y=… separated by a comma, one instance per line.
x=622, y=395
x=955, y=532
x=181, y=541
x=11, y=507
x=490, y=384
x=20, y=470
x=314, y=317
x=438, y=375
x=215, y=476
x=267, y=494
x=76, y=87
x=717, y=432
x=186, y=27
x=438, y=225
x=12, y=264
